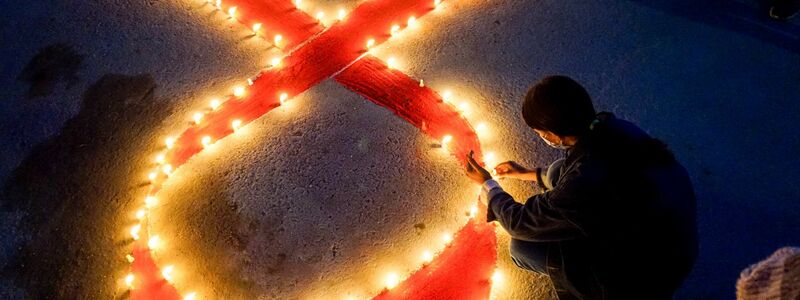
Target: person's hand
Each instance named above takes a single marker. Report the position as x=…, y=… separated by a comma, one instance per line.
x=511, y=169
x=475, y=172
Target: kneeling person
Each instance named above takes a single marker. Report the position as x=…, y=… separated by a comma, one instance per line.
x=617, y=217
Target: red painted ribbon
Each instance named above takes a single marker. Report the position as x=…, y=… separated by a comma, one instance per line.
x=462, y=270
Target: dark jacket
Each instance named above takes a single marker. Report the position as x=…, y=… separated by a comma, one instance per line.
x=620, y=221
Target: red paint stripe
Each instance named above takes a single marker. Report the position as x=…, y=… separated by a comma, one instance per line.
x=276, y=17
x=148, y=282
x=420, y=106
x=462, y=271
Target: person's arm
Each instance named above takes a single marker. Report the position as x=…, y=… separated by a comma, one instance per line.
x=543, y=217
x=527, y=175
x=512, y=169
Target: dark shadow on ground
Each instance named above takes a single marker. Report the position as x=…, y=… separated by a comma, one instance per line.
x=72, y=187
x=750, y=18
x=51, y=65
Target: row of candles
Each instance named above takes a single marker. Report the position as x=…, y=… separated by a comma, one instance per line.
x=165, y=169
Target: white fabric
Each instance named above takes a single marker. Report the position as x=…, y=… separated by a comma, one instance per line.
x=489, y=188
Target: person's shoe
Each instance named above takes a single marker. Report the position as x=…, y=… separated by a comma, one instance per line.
x=784, y=9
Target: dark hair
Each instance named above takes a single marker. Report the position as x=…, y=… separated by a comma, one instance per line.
x=560, y=105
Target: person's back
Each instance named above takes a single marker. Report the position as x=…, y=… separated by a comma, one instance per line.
x=640, y=226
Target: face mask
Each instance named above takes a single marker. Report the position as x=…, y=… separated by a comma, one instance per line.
x=554, y=145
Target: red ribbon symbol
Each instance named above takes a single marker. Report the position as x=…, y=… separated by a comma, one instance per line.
x=463, y=269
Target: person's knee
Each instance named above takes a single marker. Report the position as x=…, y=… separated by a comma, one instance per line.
x=516, y=249
x=517, y=252
x=528, y=255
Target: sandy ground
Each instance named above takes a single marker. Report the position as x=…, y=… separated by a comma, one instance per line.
x=323, y=196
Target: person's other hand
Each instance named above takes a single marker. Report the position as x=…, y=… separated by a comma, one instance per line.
x=475, y=172
x=511, y=169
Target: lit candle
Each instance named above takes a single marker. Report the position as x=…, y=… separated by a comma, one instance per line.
x=206, y=140
x=278, y=39
x=392, y=280
x=370, y=43
x=275, y=62
x=447, y=95
x=167, y=272
x=236, y=124
x=464, y=108
x=238, y=91
x=395, y=29
x=427, y=256
x=447, y=238
x=283, y=97
x=154, y=242
x=170, y=141
x=489, y=159
x=150, y=201
x=190, y=296
x=320, y=15
x=214, y=104
x=167, y=169
x=197, y=117
x=481, y=128
x=497, y=277
x=342, y=14
x=256, y=27
x=129, y=280
x=447, y=139
x=135, y=231
x=140, y=214
x=232, y=12
x=392, y=63
x=160, y=158
x=411, y=21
